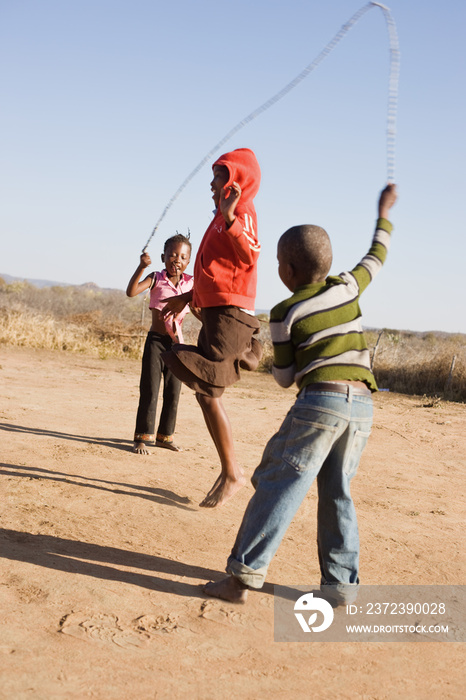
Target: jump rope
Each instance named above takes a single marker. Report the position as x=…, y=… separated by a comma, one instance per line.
x=391, y=107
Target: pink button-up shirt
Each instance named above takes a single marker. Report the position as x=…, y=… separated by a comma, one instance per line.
x=161, y=290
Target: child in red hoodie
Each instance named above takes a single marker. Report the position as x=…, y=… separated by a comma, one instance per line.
x=225, y=274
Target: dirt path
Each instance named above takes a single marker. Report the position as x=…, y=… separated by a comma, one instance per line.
x=104, y=552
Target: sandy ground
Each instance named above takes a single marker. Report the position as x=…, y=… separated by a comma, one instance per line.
x=104, y=552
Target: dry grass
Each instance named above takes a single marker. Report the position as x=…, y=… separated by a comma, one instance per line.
x=106, y=323
x=20, y=326
x=431, y=364
x=86, y=319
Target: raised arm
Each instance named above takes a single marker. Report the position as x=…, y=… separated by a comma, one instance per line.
x=239, y=227
x=372, y=262
x=135, y=287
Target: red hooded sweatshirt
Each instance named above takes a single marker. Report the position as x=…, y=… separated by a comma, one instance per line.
x=225, y=271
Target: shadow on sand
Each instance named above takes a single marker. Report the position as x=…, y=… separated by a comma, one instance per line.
x=157, y=495
x=115, y=443
x=102, y=562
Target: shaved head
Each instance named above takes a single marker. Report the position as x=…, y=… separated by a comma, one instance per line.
x=308, y=250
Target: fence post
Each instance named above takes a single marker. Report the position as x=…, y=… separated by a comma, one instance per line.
x=375, y=349
x=450, y=375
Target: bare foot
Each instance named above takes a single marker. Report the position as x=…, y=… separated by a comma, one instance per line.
x=229, y=588
x=215, y=486
x=222, y=490
x=140, y=448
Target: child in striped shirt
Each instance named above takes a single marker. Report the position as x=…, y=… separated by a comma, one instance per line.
x=318, y=344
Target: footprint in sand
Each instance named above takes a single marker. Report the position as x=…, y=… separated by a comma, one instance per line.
x=215, y=611
x=131, y=640
x=156, y=624
x=102, y=627
x=266, y=602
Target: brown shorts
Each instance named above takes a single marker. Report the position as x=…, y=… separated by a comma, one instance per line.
x=225, y=345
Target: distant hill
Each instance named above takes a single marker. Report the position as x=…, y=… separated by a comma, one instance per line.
x=48, y=283
x=37, y=283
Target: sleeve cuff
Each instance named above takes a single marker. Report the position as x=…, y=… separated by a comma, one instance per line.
x=235, y=229
x=385, y=225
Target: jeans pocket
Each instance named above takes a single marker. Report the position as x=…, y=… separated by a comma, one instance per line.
x=358, y=444
x=308, y=444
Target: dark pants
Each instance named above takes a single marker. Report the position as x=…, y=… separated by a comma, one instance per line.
x=153, y=368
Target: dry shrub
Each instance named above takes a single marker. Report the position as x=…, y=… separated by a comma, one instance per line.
x=266, y=362
x=191, y=327
x=428, y=364
x=86, y=319
x=78, y=319
x=20, y=326
x=69, y=301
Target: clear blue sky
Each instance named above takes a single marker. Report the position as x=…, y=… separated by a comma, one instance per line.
x=107, y=105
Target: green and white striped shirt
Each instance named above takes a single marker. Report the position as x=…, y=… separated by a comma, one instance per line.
x=317, y=333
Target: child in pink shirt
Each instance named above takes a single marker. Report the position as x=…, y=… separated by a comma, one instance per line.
x=170, y=282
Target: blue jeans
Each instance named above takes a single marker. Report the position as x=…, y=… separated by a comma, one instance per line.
x=322, y=436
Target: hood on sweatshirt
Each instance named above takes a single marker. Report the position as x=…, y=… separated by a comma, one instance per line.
x=244, y=169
